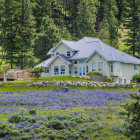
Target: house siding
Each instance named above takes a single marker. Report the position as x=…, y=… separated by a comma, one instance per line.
x=128, y=71
x=58, y=62
x=62, y=49
x=96, y=58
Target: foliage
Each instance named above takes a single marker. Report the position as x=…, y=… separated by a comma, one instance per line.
x=15, y=118
x=136, y=78
x=32, y=112
x=38, y=25
x=109, y=80
x=73, y=115
x=38, y=71
x=133, y=109
x=94, y=73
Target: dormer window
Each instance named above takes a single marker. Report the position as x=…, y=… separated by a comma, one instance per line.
x=57, y=53
x=68, y=53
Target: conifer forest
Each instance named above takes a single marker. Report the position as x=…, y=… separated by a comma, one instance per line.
x=29, y=28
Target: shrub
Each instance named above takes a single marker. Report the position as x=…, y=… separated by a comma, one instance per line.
x=38, y=71
x=136, y=78
x=32, y=112
x=133, y=109
x=56, y=124
x=94, y=73
x=4, y=130
x=109, y=80
x=26, y=137
x=15, y=118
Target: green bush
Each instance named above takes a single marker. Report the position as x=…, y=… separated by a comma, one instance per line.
x=109, y=80
x=136, y=78
x=15, y=118
x=37, y=72
x=4, y=130
x=26, y=137
x=133, y=111
x=94, y=73
x=32, y=112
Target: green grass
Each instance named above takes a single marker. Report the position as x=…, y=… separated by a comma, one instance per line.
x=50, y=88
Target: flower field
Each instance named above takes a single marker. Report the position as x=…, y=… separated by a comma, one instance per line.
x=73, y=115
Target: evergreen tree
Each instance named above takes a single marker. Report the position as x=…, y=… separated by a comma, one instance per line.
x=26, y=31
x=9, y=30
x=87, y=11
x=132, y=25
x=122, y=6
x=107, y=23
x=48, y=36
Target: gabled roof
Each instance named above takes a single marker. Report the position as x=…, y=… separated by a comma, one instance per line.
x=87, y=46
x=50, y=60
x=70, y=44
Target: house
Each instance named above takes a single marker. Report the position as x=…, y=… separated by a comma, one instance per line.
x=90, y=55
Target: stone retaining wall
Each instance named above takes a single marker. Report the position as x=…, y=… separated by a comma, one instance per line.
x=80, y=84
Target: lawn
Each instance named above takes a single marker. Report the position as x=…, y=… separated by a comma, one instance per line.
x=45, y=113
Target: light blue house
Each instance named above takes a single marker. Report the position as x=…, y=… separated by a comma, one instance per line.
x=90, y=55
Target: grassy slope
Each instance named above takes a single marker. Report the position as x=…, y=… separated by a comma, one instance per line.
x=21, y=85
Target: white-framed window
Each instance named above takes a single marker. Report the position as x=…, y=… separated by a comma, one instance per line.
x=81, y=61
x=100, y=66
x=47, y=70
x=75, y=62
x=112, y=67
x=62, y=69
x=75, y=70
x=87, y=69
x=135, y=67
x=68, y=53
x=94, y=66
x=117, y=66
x=57, y=53
x=56, y=70
x=125, y=81
x=115, y=80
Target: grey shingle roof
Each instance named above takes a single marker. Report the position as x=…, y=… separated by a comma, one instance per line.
x=87, y=46
x=66, y=59
x=47, y=62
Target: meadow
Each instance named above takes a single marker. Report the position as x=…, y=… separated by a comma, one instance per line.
x=57, y=115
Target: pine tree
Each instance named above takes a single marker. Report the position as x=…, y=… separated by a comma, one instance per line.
x=26, y=31
x=48, y=36
x=87, y=11
x=107, y=23
x=9, y=30
x=132, y=25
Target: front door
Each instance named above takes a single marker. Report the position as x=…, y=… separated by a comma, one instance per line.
x=82, y=71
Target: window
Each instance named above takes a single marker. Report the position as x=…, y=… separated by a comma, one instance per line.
x=124, y=80
x=57, y=53
x=84, y=71
x=81, y=61
x=117, y=66
x=47, y=70
x=135, y=67
x=56, y=70
x=94, y=66
x=75, y=62
x=87, y=69
x=68, y=53
x=100, y=66
x=115, y=80
x=62, y=69
x=112, y=67
x=75, y=70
